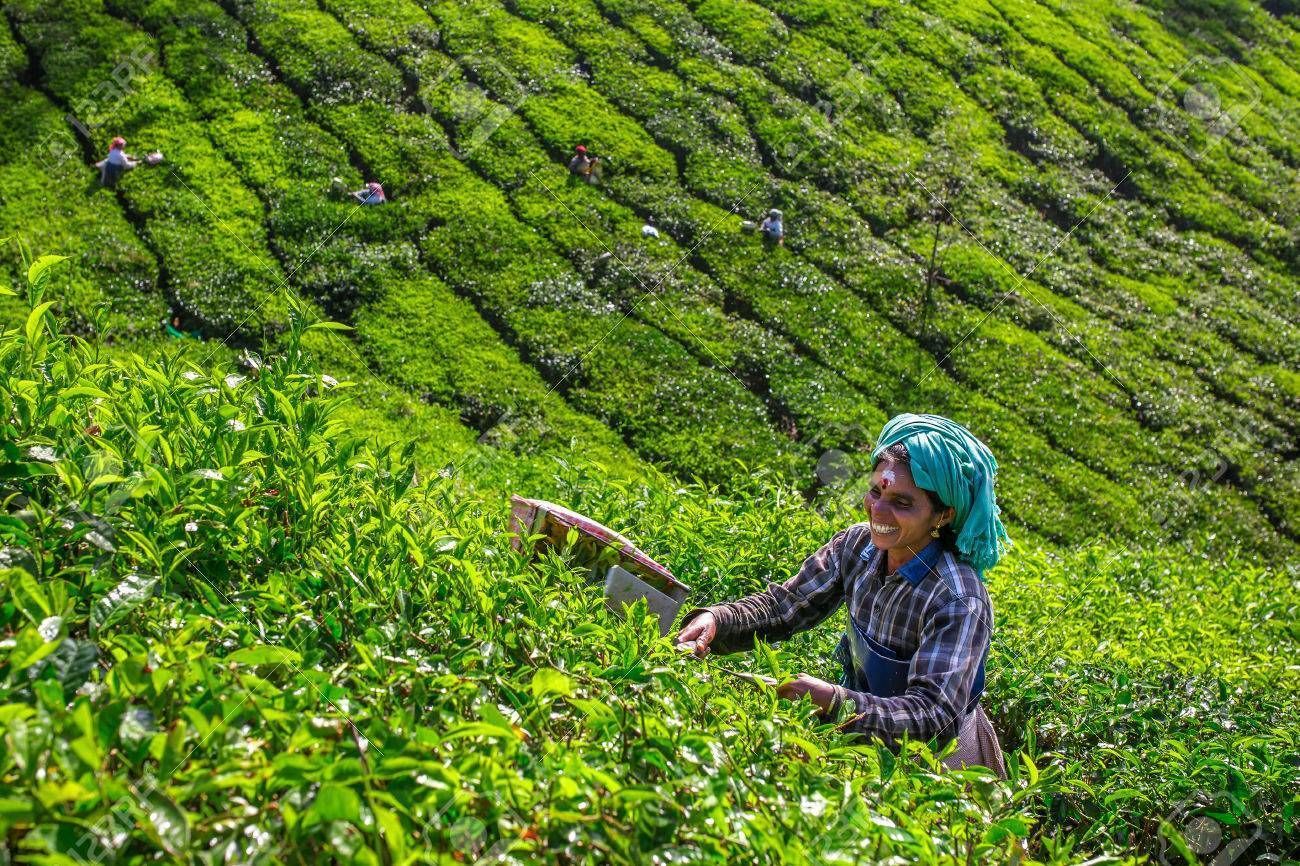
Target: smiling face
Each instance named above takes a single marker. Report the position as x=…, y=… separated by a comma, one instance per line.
x=901, y=513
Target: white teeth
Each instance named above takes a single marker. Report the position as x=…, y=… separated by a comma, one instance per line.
x=882, y=529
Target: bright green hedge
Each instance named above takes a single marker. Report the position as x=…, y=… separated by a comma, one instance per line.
x=13, y=60
x=271, y=640
x=204, y=225
x=773, y=289
x=111, y=267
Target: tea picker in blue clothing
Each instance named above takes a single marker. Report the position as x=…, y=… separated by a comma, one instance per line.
x=912, y=576
x=373, y=193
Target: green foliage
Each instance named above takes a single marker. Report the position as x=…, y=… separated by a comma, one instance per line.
x=205, y=227
x=12, y=58
x=235, y=618
x=375, y=673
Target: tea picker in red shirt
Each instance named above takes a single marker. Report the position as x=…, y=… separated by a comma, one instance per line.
x=119, y=162
x=583, y=165
x=912, y=577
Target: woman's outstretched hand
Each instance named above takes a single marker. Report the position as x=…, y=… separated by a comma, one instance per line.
x=698, y=634
x=820, y=691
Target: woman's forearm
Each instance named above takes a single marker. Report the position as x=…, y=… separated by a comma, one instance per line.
x=784, y=609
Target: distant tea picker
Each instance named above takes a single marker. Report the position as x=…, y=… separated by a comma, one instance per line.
x=371, y=193
x=584, y=165
x=912, y=577
x=772, y=227
x=119, y=162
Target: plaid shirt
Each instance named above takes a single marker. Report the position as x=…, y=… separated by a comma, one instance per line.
x=934, y=609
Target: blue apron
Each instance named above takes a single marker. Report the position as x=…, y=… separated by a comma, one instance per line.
x=872, y=667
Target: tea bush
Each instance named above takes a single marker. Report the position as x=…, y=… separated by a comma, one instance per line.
x=162, y=625
x=269, y=641
x=205, y=227
x=257, y=604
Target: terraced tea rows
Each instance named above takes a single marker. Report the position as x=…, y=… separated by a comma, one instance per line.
x=702, y=347
x=268, y=640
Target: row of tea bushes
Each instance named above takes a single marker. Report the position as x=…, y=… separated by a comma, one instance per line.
x=13, y=60
x=1161, y=173
x=425, y=61
x=205, y=227
x=257, y=153
x=1005, y=75
x=750, y=267
x=643, y=384
x=590, y=211
x=807, y=66
x=112, y=269
x=355, y=261
x=116, y=271
x=1182, y=330
x=113, y=283
x=1248, y=164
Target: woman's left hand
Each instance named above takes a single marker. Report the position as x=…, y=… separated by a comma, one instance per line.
x=820, y=691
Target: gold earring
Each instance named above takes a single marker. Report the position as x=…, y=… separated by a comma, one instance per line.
x=934, y=533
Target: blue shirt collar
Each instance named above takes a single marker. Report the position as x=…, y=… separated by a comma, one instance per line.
x=916, y=568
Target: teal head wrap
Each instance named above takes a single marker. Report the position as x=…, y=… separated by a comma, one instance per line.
x=947, y=459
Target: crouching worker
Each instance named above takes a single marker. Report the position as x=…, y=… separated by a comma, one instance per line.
x=912, y=576
x=117, y=163
x=176, y=330
x=773, y=227
x=584, y=165
x=373, y=193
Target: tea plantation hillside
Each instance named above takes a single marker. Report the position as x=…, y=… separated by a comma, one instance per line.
x=1072, y=230
x=236, y=631
x=257, y=599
